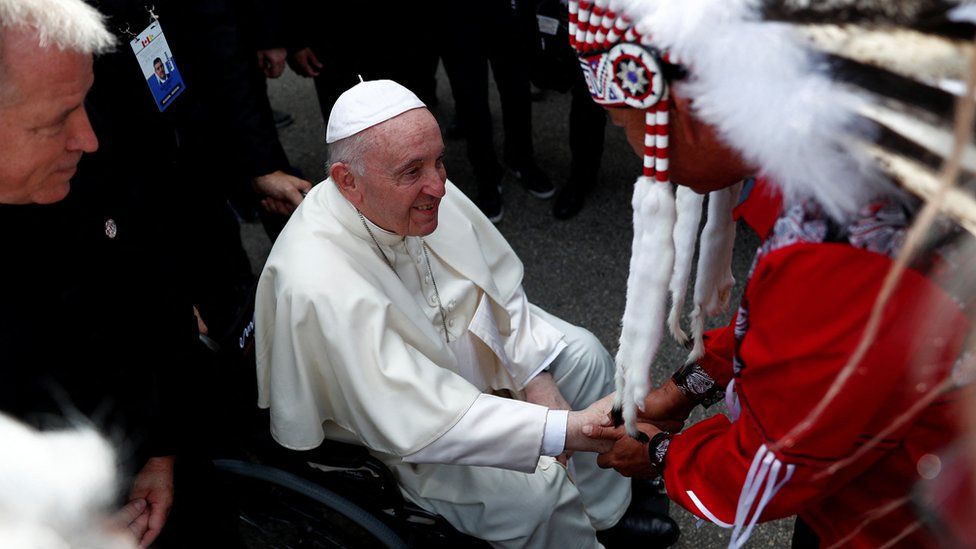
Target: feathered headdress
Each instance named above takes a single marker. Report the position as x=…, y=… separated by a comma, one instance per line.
x=840, y=101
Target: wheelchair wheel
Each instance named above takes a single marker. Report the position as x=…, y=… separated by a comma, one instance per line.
x=280, y=509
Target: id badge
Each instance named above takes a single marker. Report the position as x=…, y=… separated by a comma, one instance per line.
x=158, y=66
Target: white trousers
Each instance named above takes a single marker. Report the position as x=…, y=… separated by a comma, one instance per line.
x=546, y=508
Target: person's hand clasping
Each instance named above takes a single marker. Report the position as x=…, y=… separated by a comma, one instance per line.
x=281, y=193
x=597, y=414
x=666, y=407
x=132, y=518
x=628, y=456
x=305, y=63
x=542, y=390
x=153, y=485
x=272, y=61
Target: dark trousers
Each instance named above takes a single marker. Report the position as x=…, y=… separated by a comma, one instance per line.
x=803, y=536
x=586, y=127
x=493, y=33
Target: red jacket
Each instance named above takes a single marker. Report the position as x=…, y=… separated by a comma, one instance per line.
x=804, y=309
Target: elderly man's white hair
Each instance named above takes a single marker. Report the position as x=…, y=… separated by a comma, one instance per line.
x=68, y=24
x=56, y=489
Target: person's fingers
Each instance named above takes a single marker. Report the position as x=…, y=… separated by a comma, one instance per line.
x=602, y=433
x=281, y=207
x=157, y=518
x=130, y=512
x=139, y=526
x=271, y=205
x=275, y=69
x=605, y=446
x=314, y=60
x=201, y=325
x=605, y=461
x=293, y=197
x=307, y=66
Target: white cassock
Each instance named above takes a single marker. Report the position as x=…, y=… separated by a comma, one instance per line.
x=349, y=349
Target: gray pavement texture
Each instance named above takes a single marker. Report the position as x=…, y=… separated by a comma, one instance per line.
x=576, y=269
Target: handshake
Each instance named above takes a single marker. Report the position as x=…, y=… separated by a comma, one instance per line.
x=591, y=430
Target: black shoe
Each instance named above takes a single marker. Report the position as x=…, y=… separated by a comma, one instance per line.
x=569, y=202
x=649, y=495
x=490, y=204
x=640, y=528
x=282, y=119
x=534, y=180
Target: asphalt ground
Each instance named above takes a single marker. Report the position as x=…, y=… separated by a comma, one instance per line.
x=575, y=269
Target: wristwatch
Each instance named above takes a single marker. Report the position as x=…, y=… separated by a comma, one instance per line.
x=657, y=449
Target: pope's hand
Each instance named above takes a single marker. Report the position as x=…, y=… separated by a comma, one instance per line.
x=542, y=390
x=628, y=456
x=596, y=414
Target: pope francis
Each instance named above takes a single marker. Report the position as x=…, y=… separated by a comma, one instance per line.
x=391, y=314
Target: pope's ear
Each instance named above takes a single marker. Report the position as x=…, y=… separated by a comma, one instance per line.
x=345, y=180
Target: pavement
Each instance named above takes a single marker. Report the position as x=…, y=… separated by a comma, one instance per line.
x=575, y=269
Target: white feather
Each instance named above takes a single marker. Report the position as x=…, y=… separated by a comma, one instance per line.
x=689, y=210
x=651, y=264
x=56, y=488
x=760, y=87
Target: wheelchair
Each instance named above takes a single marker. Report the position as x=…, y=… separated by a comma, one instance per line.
x=337, y=495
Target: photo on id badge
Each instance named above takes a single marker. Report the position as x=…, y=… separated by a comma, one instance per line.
x=158, y=66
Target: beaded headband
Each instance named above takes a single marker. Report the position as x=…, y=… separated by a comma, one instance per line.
x=622, y=69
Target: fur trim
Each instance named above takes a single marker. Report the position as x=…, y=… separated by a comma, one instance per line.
x=714, y=281
x=689, y=208
x=651, y=264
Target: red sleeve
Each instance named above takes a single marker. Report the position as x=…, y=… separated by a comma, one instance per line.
x=761, y=208
x=807, y=306
x=719, y=350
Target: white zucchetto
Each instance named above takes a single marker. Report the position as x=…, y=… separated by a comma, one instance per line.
x=367, y=104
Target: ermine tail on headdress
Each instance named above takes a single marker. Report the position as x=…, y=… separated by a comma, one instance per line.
x=714, y=280
x=650, y=271
x=651, y=263
x=689, y=208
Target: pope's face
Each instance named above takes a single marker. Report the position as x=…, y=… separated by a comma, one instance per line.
x=44, y=129
x=697, y=157
x=404, y=175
